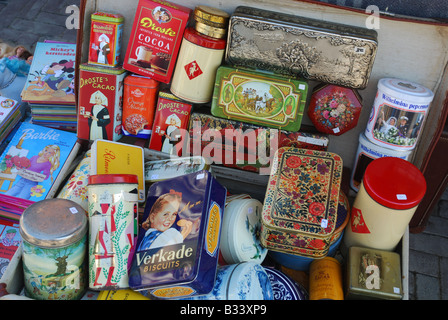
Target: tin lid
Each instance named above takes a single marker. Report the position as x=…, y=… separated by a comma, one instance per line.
x=53, y=223
x=210, y=21
x=283, y=287
x=107, y=17
x=248, y=281
x=406, y=90
x=394, y=183
x=112, y=178
x=197, y=38
x=90, y=67
x=137, y=80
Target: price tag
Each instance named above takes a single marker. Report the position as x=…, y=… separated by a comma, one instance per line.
x=73, y=210
x=324, y=223
x=401, y=197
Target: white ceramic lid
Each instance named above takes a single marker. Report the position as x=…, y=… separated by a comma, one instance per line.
x=249, y=281
x=406, y=90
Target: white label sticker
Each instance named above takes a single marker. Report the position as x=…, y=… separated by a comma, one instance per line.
x=302, y=87
x=73, y=210
x=396, y=290
x=200, y=176
x=336, y=130
x=324, y=223
x=401, y=197
x=250, y=210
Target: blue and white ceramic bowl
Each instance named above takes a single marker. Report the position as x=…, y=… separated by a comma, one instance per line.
x=283, y=287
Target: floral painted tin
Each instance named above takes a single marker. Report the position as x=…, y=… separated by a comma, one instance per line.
x=301, y=202
x=293, y=45
x=334, y=109
x=178, y=243
x=258, y=97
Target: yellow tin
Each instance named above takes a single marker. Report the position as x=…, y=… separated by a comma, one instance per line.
x=326, y=280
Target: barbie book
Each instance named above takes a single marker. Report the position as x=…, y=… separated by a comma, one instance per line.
x=34, y=163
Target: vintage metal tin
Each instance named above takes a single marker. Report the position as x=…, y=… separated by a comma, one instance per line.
x=390, y=192
x=300, y=206
x=326, y=279
x=159, y=170
x=398, y=113
x=100, y=99
x=334, y=109
x=283, y=287
x=367, y=152
x=257, y=97
x=313, y=49
x=373, y=274
x=179, y=257
x=139, y=103
x=342, y=218
x=242, y=281
x=113, y=208
x=54, y=234
x=240, y=232
x=105, y=39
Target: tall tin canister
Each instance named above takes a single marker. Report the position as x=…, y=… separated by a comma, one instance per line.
x=326, y=279
x=398, y=113
x=389, y=194
x=54, y=234
x=113, y=214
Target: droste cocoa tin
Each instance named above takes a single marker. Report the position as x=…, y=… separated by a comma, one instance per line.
x=289, y=44
x=300, y=207
x=178, y=243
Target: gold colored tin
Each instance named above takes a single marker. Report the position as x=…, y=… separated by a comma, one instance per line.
x=326, y=280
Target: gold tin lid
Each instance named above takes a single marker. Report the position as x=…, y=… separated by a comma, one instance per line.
x=210, y=21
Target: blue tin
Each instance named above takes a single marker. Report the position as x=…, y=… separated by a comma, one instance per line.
x=178, y=243
x=283, y=287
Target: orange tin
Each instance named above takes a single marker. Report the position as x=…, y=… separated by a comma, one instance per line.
x=326, y=280
x=139, y=100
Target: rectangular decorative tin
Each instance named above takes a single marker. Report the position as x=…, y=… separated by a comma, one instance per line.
x=294, y=45
x=301, y=202
x=177, y=256
x=260, y=98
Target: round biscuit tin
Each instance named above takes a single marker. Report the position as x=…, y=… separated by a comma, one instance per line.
x=398, y=113
x=54, y=234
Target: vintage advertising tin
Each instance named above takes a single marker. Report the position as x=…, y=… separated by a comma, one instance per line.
x=367, y=152
x=301, y=202
x=54, y=239
x=105, y=39
x=342, y=218
x=241, y=225
x=283, y=287
x=326, y=279
x=100, y=101
x=139, y=103
x=398, y=113
x=178, y=243
x=261, y=98
x=155, y=39
x=171, y=117
x=373, y=274
x=313, y=49
x=334, y=109
x=159, y=170
x=113, y=214
x=242, y=281
x=389, y=194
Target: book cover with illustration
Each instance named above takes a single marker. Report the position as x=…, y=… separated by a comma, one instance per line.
x=10, y=241
x=35, y=161
x=52, y=73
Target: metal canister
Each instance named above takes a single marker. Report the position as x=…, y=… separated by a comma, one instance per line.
x=326, y=279
x=54, y=234
x=389, y=194
x=113, y=212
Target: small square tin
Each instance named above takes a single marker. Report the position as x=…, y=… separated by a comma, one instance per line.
x=260, y=98
x=294, y=45
x=181, y=260
x=373, y=274
x=300, y=207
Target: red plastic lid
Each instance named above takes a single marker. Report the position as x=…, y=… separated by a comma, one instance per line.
x=195, y=37
x=113, y=178
x=394, y=183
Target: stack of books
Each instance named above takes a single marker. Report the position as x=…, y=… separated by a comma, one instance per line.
x=49, y=89
x=11, y=112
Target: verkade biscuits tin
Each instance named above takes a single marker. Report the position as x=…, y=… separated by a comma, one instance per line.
x=54, y=234
x=398, y=113
x=300, y=207
x=257, y=97
x=313, y=49
x=178, y=243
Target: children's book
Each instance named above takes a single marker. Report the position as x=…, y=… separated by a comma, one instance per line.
x=51, y=77
x=35, y=162
x=110, y=157
x=10, y=241
x=7, y=109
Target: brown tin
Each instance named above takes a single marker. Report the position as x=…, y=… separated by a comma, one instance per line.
x=314, y=49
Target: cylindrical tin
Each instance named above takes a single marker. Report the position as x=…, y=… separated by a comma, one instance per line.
x=54, y=234
x=326, y=280
x=201, y=53
x=342, y=218
x=113, y=211
x=366, y=153
x=283, y=287
x=388, y=196
x=76, y=187
x=139, y=103
x=398, y=113
x=241, y=225
x=105, y=39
